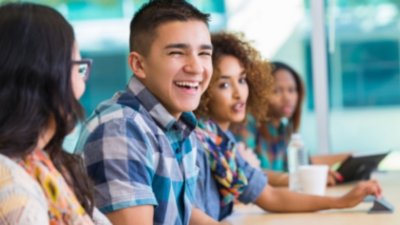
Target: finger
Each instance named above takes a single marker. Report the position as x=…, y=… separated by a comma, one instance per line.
x=374, y=189
x=331, y=180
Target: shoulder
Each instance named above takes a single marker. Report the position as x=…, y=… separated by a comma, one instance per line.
x=21, y=194
x=12, y=174
x=116, y=122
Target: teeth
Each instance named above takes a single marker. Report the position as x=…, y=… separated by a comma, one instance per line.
x=187, y=84
x=238, y=106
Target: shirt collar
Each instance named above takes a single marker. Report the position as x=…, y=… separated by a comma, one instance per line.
x=227, y=137
x=157, y=111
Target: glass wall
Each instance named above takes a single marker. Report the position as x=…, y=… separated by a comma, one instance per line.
x=364, y=75
x=363, y=65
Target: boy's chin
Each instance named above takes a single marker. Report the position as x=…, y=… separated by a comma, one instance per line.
x=189, y=107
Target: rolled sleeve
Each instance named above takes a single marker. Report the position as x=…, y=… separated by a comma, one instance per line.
x=257, y=180
x=119, y=161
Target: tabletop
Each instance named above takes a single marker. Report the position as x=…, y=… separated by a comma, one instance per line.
x=390, y=182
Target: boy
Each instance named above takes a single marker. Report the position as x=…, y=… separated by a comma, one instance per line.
x=139, y=147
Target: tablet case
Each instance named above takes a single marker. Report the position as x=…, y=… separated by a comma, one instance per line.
x=360, y=167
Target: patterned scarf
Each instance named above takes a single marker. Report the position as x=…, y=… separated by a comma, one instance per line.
x=64, y=208
x=221, y=153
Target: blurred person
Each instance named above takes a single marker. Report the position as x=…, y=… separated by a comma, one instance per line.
x=269, y=140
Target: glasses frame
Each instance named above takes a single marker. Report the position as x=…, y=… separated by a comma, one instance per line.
x=87, y=62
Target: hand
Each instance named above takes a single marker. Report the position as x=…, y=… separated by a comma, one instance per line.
x=248, y=155
x=359, y=192
x=334, y=176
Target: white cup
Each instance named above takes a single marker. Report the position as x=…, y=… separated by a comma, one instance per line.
x=313, y=179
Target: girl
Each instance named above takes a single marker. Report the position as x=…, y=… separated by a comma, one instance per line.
x=270, y=139
x=224, y=175
x=41, y=79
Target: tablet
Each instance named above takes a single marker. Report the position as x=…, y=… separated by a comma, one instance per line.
x=360, y=167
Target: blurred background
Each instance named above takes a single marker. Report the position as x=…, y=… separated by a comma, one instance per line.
x=362, y=57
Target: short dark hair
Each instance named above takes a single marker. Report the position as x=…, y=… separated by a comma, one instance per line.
x=153, y=14
x=36, y=45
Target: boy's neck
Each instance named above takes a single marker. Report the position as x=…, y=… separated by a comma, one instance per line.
x=176, y=115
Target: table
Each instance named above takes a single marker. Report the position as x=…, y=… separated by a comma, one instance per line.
x=390, y=182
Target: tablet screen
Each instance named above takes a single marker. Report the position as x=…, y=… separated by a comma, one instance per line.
x=360, y=167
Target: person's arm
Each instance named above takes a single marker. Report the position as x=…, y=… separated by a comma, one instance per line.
x=132, y=215
x=200, y=218
x=281, y=200
x=125, y=197
x=277, y=179
x=281, y=179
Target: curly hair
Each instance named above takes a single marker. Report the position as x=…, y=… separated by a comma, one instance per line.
x=258, y=73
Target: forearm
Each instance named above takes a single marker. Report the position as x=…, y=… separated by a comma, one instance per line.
x=277, y=179
x=200, y=218
x=132, y=215
x=282, y=200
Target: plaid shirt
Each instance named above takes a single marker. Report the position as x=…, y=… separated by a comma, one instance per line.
x=139, y=154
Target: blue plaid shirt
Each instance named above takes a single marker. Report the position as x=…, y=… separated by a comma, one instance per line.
x=139, y=154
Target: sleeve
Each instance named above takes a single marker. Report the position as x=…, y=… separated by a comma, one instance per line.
x=21, y=200
x=119, y=159
x=99, y=218
x=256, y=178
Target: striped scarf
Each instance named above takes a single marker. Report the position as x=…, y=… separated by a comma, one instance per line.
x=221, y=153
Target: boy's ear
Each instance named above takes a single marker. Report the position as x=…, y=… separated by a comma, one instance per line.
x=136, y=62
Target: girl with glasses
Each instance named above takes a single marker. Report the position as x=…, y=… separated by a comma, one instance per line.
x=40, y=84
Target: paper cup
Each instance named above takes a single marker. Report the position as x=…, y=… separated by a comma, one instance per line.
x=313, y=179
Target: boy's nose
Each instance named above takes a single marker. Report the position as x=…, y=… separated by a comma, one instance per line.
x=194, y=65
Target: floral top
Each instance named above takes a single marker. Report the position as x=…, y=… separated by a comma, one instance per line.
x=269, y=143
x=32, y=191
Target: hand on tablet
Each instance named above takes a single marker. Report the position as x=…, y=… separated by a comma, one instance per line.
x=334, y=177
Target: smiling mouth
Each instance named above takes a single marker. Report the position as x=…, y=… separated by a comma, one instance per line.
x=187, y=85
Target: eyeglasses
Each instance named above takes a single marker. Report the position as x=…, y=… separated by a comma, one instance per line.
x=84, y=67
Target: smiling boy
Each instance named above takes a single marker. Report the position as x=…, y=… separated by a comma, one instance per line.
x=139, y=147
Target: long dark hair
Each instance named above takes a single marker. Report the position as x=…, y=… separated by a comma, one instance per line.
x=296, y=118
x=36, y=44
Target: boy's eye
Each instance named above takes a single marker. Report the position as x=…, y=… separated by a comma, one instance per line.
x=205, y=53
x=175, y=53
